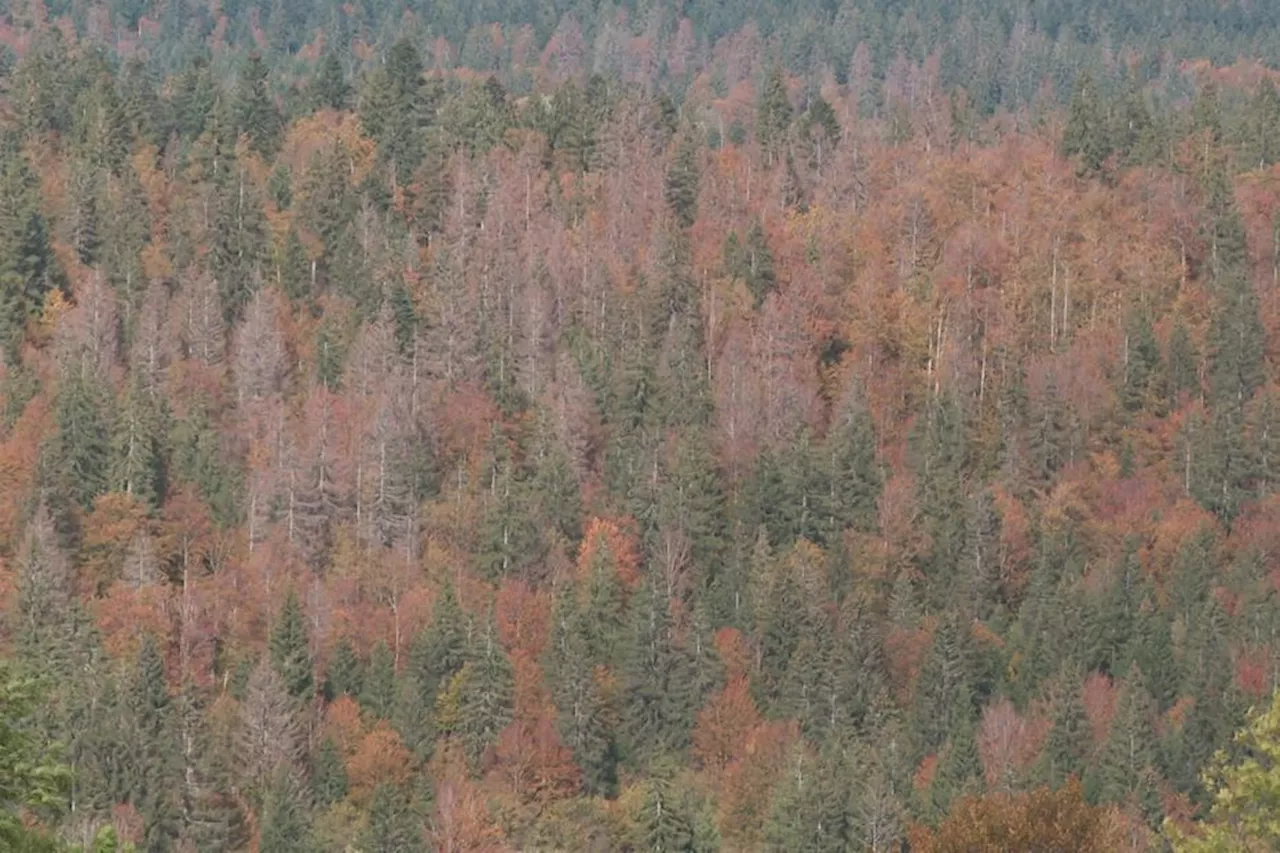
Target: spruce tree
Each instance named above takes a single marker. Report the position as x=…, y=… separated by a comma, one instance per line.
x=773, y=114
x=378, y=692
x=138, y=464
x=1141, y=385
x=286, y=824
x=1236, y=337
x=586, y=719
x=485, y=703
x=440, y=650
x=255, y=113
x=328, y=773
x=1086, y=134
x=1125, y=773
x=682, y=182
x=155, y=749
x=27, y=265
x=849, y=453
x=658, y=714
x=345, y=675
x=1261, y=146
x=1183, y=363
x=291, y=650
x=1067, y=746
x=391, y=827
x=329, y=88
x=81, y=452
x=942, y=699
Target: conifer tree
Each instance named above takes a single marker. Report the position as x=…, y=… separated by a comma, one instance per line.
x=658, y=712
x=138, y=463
x=1261, y=146
x=154, y=750
x=27, y=265
x=345, y=675
x=441, y=649
x=80, y=450
x=849, y=453
x=1125, y=772
x=291, y=650
x=1087, y=135
x=682, y=182
x=329, y=88
x=1236, y=336
x=1183, y=363
x=328, y=773
x=773, y=114
x=585, y=716
x=1067, y=745
x=671, y=819
x=255, y=114
x=378, y=692
x=942, y=700
x=286, y=824
x=1143, y=372
x=391, y=827
x=485, y=703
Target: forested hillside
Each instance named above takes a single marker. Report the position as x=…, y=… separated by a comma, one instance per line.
x=704, y=426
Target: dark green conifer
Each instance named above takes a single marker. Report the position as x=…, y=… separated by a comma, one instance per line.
x=291, y=650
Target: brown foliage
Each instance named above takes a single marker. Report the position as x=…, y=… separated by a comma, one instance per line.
x=1043, y=821
x=380, y=758
x=724, y=726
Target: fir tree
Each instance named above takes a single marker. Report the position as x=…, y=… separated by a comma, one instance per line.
x=1066, y=747
x=682, y=183
x=255, y=114
x=657, y=707
x=1086, y=135
x=329, y=88
x=286, y=825
x=1141, y=386
x=1125, y=772
x=1183, y=363
x=486, y=698
x=773, y=114
x=345, y=676
x=391, y=827
x=585, y=716
x=27, y=266
x=378, y=693
x=291, y=650
x=440, y=650
x=328, y=773
x=80, y=449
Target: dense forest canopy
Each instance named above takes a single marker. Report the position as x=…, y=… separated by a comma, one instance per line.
x=659, y=426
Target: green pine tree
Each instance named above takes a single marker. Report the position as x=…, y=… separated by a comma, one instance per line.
x=392, y=827
x=682, y=182
x=80, y=450
x=1086, y=134
x=329, y=88
x=328, y=773
x=485, y=703
x=27, y=267
x=255, y=114
x=1183, y=363
x=378, y=693
x=345, y=675
x=291, y=650
x=286, y=823
x=773, y=114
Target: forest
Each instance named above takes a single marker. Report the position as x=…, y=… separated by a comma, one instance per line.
x=657, y=426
